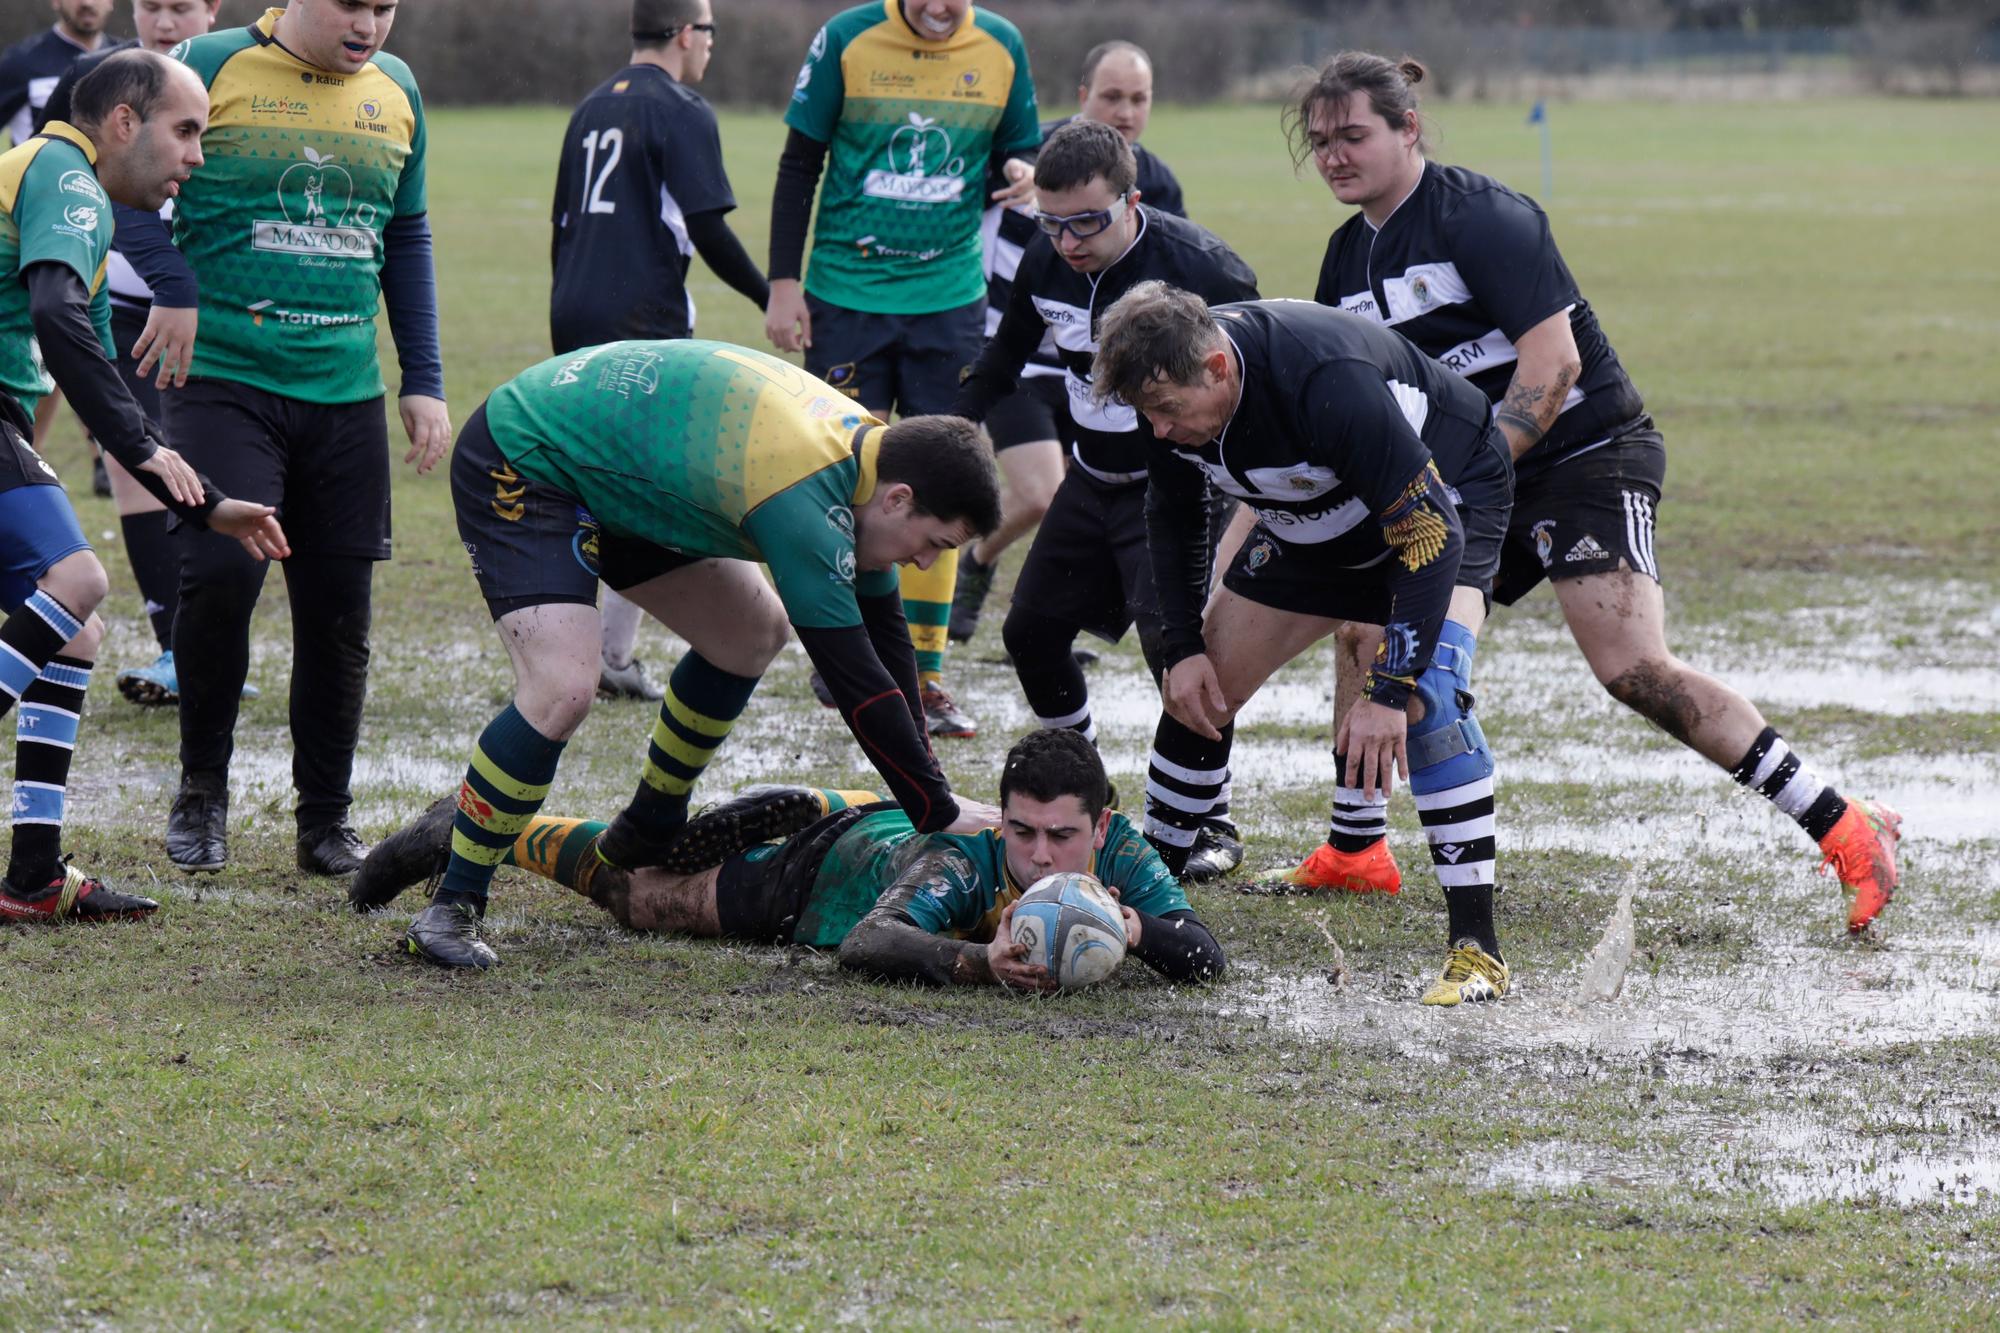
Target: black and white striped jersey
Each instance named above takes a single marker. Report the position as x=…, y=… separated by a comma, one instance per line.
x=1005, y=233
x=1050, y=300
x=1337, y=415
x=1462, y=268
x=29, y=71
x=641, y=156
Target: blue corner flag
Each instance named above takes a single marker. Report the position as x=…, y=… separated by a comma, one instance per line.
x=1540, y=116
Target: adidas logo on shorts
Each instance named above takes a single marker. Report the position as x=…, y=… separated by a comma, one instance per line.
x=1587, y=549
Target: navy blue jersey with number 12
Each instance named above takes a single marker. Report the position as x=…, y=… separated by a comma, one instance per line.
x=642, y=155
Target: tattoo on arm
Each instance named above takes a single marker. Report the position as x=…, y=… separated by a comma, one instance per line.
x=1527, y=411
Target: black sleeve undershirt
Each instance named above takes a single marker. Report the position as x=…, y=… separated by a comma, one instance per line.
x=886, y=717
x=1179, y=947
x=1177, y=533
x=997, y=372
x=799, y=168
x=725, y=256
x=59, y=305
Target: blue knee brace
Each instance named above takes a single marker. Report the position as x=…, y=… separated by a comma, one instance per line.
x=1447, y=748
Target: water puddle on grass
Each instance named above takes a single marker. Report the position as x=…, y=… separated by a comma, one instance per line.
x=1790, y=1158
x=1798, y=999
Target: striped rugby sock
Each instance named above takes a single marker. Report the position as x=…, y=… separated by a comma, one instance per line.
x=45, y=741
x=29, y=640
x=702, y=704
x=504, y=787
x=1772, y=770
x=927, y=597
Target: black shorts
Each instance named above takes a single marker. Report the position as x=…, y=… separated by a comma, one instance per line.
x=1037, y=410
x=532, y=544
x=1290, y=576
x=760, y=893
x=907, y=364
x=1592, y=513
x=324, y=465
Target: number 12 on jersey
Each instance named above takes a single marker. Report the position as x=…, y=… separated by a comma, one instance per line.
x=613, y=144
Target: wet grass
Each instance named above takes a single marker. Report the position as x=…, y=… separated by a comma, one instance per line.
x=253, y=1111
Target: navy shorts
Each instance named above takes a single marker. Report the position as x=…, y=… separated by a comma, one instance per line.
x=907, y=364
x=325, y=466
x=1591, y=513
x=532, y=544
x=1037, y=410
x=1289, y=576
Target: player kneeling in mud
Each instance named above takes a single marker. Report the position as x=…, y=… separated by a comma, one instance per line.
x=847, y=870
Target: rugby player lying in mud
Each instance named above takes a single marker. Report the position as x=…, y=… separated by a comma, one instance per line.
x=844, y=869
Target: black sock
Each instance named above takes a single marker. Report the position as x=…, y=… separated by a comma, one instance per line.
x=156, y=564
x=1050, y=678
x=1470, y=913
x=45, y=739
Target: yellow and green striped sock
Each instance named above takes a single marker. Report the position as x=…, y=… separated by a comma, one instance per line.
x=927, y=606
x=509, y=777
x=703, y=702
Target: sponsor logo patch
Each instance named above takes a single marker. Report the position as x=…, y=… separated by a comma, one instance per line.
x=1587, y=549
x=1544, y=542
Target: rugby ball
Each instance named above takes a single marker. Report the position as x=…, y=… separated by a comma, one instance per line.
x=1071, y=925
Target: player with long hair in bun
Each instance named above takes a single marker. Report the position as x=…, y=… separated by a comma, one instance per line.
x=1468, y=270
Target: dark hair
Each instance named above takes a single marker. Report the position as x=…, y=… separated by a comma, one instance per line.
x=1082, y=151
x=1096, y=55
x=947, y=465
x=654, y=22
x=1152, y=332
x=1390, y=85
x=1045, y=765
x=131, y=77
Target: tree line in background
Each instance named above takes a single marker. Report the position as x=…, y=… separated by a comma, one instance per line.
x=471, y=51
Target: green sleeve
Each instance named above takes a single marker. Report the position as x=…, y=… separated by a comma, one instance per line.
x=1129, y=864
x=820, y=93
x=806, y=535
x=1020, y=125
x=940, y=893
x=206, y=55
x=62, y=214
x=412, y=196
x=100, y=316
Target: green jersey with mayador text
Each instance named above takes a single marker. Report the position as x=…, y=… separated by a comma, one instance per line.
x=710, y=450
x=283, y=224
x=52, y=211
x=911, y=126
x=964, y=890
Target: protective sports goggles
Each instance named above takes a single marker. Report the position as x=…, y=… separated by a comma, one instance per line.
x=1081, y=225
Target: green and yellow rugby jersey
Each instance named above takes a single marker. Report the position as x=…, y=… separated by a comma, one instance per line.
x=971, y=886
x=52, y=210
x=910, y=127
x=283, y=224
x=706, y=449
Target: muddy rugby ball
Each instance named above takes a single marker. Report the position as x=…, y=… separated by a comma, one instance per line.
x=1071, y=925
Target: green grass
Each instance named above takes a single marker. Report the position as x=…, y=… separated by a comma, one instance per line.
x=252, y=1111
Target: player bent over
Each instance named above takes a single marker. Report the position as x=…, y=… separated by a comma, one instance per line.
x=844, y=870
x=667, y=469
x=139, y=119
x=1381, y=494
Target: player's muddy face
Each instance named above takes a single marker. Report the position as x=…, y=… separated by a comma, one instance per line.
x=935, y=20
x=1360, y=156
x=1120, y=94
x=1044, y=838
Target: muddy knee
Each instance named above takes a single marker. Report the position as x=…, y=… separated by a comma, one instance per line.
x=1657, y=691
